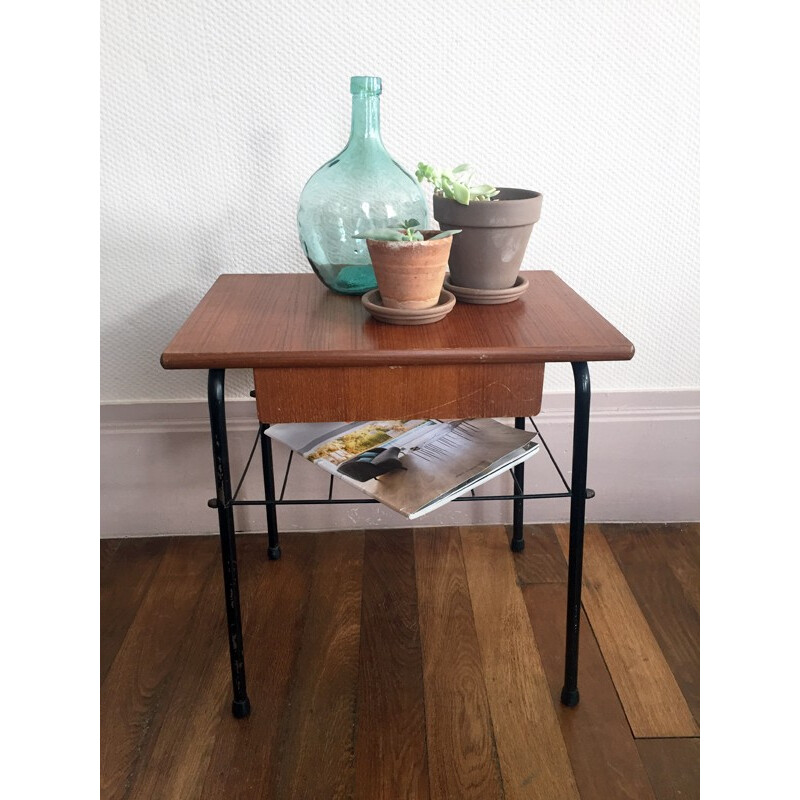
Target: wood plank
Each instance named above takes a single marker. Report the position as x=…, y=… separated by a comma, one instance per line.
x=274, y=605
x=685, y=561
x=108, y=552
x=542, y=560
x=391, y=753
x=676, y=545
x=531, y=750
x=199, y=705
x=653, y=702
x=601, y=747
x=462, y=759
x=254, y=321
x=421, y=391
x=673, y=766
x=317, y=752
x=667, y=609
x=126, y=568
x=134, y=696
x=176, y=759
x=166, y=725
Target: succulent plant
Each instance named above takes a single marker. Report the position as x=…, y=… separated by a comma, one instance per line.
x=407, y=232
x=456, y=183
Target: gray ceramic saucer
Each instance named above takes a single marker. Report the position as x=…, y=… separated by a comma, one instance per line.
x=408, y=316
x=487, y=297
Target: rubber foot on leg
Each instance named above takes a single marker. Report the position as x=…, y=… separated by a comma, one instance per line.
x=570, y=697
x=241, y=708
x=274, y=552
x=517, y=545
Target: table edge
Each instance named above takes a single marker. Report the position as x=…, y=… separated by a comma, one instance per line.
x=256, y=360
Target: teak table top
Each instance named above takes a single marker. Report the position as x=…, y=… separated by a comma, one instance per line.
x=252, y=321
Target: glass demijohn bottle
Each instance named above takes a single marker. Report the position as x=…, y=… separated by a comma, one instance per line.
x=359, y=189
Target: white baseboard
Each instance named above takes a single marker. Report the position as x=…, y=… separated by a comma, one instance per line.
x=157, y=474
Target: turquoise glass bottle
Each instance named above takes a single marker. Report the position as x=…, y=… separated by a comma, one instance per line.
x=359, y=189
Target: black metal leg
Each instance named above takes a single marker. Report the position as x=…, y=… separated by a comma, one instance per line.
x=227, y=535
x=273, y=545
x=577, y=513
x=517, y=541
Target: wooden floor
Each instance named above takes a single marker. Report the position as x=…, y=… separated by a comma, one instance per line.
x=421, y=663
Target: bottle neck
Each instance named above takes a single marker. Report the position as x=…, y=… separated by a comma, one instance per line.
x=365, y=122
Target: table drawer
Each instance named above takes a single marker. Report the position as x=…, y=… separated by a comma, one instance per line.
x=443, y=391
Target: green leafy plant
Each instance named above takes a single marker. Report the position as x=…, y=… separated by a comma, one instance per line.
x=407, y=232
x=456, y=183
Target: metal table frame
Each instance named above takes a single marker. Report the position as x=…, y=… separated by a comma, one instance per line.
x=226, y=499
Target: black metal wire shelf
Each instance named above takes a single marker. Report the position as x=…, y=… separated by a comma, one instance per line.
x=519, y=494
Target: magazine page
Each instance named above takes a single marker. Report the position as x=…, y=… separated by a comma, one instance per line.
x=412, y=466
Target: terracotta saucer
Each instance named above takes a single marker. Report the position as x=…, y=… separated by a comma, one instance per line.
x=408, y=316
x=487, y=297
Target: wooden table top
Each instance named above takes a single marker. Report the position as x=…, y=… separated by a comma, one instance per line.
x=251, y=321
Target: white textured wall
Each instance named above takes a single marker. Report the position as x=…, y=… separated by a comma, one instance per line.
x=214, y=114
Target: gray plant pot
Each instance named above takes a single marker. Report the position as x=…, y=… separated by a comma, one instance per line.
x=487, y=254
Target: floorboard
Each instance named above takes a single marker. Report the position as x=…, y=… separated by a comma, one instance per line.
x=652, y=700
x=274, y=597
x=417, y=663
x=317, y=752
x=542, y=560
x=462, y=757
x=178, y=758
x=531, y=750
x=673, y=766
x=137, y=689
x=391, y=747
x=674, y=545
x=599, y=741
x=126, y=568
x=671, y=615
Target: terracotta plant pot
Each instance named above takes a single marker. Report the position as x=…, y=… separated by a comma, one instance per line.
x=410, y=274
x=488, y=252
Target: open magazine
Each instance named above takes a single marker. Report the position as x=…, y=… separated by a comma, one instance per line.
x=412, y=466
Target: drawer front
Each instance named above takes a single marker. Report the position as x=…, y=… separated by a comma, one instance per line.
x=440, y=391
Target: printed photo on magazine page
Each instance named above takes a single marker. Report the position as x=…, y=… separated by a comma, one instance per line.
x=412, y=466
